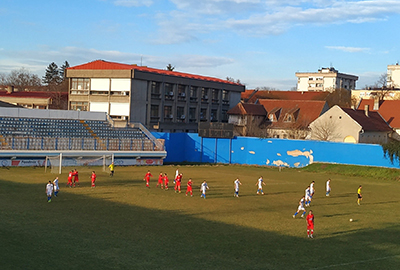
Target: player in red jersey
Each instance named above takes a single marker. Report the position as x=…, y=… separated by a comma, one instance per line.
x=93, y=177
x=166, y=181
x=160, y=180
x=70, y=179
x=178, y=181
x=76, y=178
x=189, y=187
x=310, y=224
x=147, y=178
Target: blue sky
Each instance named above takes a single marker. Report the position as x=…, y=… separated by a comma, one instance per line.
x=262, y=43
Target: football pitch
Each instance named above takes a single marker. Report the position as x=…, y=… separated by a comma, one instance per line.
x=121, y=224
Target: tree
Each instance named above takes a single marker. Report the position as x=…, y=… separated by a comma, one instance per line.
x=230, y=79
x=52, y=76
x=324, y=130
x=63, y=68
x=56, y=84
x=265, y=88
x=170, y=67
x=379, y=89
x=340, y=97
x=22, y=79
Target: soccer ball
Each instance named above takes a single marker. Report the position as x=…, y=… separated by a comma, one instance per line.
x=351, y=220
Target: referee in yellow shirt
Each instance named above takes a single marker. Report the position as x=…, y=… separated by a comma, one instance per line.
x=359, y=195
x=111, y=169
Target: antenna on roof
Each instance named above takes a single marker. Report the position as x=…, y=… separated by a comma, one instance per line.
x=141, y=60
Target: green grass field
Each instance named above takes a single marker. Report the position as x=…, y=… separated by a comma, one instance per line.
x=123, y=225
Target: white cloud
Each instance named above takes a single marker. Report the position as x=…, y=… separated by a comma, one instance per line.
x=348, y=49
x=271, y=17
x=37, y=61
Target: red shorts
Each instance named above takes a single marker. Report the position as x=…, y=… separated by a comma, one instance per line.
x=310, y=226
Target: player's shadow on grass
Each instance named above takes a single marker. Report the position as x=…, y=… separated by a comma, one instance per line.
x=335, y=215
x=95, y=233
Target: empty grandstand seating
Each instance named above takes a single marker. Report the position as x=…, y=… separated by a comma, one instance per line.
x=23, y=133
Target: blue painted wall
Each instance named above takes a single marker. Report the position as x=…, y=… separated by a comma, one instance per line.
x=190, y=147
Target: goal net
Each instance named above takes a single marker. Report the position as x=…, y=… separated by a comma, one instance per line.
x=57, y=162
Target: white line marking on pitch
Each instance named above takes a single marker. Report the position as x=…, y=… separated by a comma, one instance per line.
x=344, y=264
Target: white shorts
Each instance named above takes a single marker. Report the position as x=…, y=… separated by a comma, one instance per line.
x=307, y=198
x=300, y=208
x=49, y=193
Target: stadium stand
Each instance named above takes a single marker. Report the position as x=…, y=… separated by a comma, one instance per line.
x=26, y=129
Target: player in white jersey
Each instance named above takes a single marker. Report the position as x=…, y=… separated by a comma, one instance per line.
x=236, y=185
x=203, y=189
x=259, y=184
x=312, y=189
x=55, y=186
x=328, y=187
x=300, y=208
x=307, y=196
x=49, y=191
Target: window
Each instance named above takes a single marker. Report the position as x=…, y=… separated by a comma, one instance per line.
x=288, y=118
x=214, y=115
x=99, y=92
x=192, y=114
x=203, y=114
x=181, y=90
x=271, y=117
x=225, y=95
x=169, y=89
x=155, y=87
x=180, y=114
x=168, y=113
x=204, y=94
x=215, y=95
x=80, y=84
x=78, y=106
x=193, y=92
x=154, y=112
x=224, y=116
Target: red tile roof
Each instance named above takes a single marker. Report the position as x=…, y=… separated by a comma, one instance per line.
x=251, y=96
x=29, y=94
x=308, y=111
x=101, y=64
x=389, y=109
x=248, y=109
x=372, y=122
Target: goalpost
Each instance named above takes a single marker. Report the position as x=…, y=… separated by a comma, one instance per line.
x=55, y=163
x=58, y=161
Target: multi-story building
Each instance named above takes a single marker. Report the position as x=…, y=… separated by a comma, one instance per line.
x=393, y=76
x=160, y=99
x=326, y=79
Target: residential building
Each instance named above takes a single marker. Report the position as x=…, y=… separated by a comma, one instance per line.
x=393, y=76
x=252, y=96
x=289, y=119
x=380, y=93
x=352, y=126
x=162, y=100
x=388, y=109
x=326, y=79
x=247, y=119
